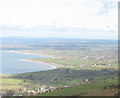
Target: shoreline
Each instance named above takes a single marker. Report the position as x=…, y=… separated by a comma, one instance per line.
x=46, y=56
x=29, y=53
x=28, y=60
x=54, y=65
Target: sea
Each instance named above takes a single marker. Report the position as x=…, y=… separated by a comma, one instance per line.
x=13, y=62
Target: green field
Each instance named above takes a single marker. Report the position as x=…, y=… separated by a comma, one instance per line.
x=76, y=63
x=58, y=78
x=90, y=89
x=11, y=83
x=91, y=57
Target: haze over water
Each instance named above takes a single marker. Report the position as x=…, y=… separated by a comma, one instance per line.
x=13, y=63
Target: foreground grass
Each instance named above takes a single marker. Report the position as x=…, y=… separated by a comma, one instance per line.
x=9, y=83
x=89, y=89
x=60, y=77
x=98, y=84
x=14, y=83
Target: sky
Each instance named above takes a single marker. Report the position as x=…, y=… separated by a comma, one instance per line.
x=84, y=19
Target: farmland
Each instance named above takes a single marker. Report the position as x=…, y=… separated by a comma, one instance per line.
x=80, y=65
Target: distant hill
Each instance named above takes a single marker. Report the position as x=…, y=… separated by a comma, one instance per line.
x=30, y=39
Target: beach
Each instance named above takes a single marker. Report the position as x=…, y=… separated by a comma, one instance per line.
x=18, y=61
x=54, y=67
x=28, y=53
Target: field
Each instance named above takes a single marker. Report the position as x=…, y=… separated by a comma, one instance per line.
x=90, y=89
x=92, y=57
x=11, y=83
x=82, y=66
x=75, y=79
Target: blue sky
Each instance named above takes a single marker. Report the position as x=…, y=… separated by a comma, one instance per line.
x=87, y=19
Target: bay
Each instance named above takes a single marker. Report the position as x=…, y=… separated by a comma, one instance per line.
x=13, y=62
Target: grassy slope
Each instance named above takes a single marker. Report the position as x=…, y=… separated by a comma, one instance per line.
x=11, y=83
x=8, y=81
x=89, y=89
x=78, y=75
x=61, y=77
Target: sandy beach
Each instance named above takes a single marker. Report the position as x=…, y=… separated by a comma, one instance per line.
x=54, y=67
x=29, y=53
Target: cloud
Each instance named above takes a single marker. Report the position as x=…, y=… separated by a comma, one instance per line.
x=58, y=16
x=54, y=28
x=107, y=7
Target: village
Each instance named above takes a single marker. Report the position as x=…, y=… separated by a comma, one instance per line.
x=30, y=92
x=35, y=91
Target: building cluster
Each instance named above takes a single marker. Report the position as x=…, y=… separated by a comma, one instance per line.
x=29, y=92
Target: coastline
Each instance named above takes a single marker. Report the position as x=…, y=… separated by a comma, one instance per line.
x=55, y=66
x=28, y=60
x=29, y=53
